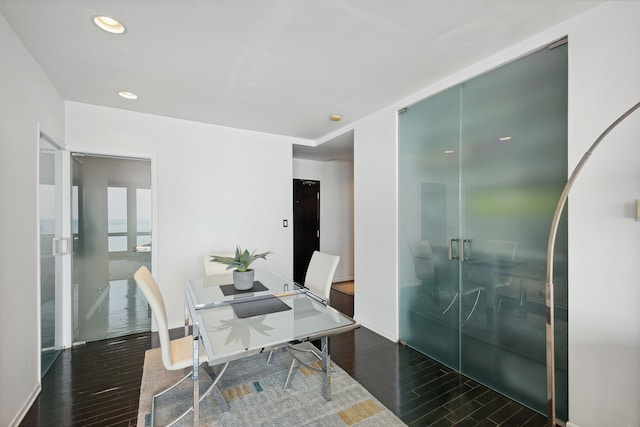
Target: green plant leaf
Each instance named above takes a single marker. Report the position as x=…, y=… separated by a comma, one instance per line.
x=241, y=260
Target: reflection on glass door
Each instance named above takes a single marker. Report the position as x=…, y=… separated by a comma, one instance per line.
x=429, y=220
x=481, y=167
x=112, y=239
x=51, y=245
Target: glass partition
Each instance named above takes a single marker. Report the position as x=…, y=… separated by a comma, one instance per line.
x=481, y=167
x=50, y=217
x=112, y=239
x=429, y=218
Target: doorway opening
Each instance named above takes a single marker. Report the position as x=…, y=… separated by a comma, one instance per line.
x=331, y=163
x=306, y=225
x=477, y=185
x=111, y=221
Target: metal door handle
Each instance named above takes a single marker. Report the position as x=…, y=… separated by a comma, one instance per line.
x=451, y=256
x=462, y=246
x=60, y=246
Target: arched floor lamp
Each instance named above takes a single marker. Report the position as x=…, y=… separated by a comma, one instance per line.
x=551, y=373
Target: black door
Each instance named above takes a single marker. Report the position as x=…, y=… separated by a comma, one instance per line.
x=306, y=225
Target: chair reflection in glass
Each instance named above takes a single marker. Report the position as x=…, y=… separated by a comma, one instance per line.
x=490, y=264
x=424, y=265
x=429, y=270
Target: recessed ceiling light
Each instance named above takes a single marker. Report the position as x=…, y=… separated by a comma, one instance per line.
x=128, y=95
x=108, y=24
x=335, y=117
x=504, y=138
x=449, y=151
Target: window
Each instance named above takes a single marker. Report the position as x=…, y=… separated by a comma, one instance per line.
x=117, y=218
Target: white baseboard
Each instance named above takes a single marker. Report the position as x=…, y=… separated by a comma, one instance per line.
x=377, y=331
x=570, y=424
x=26, y=406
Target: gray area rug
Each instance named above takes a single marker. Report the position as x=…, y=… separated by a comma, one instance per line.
x=251, y=394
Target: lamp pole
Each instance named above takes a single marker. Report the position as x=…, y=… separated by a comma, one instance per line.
x=551, y=373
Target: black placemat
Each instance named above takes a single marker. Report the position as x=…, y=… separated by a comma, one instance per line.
x=259, y=307
x=230, y=290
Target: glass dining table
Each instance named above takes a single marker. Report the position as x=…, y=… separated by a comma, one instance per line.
x=274, y=314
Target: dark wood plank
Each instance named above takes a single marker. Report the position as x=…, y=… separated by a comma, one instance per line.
x=98, y=384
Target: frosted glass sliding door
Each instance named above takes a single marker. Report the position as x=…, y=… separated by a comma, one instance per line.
x=481, y=168
x=52, y=246
x=429, y=212
x=112, y=239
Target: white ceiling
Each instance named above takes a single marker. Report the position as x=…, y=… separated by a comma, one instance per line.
x=276, y=66
x=337, y=148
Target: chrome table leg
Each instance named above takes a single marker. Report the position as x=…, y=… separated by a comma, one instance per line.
x=326, y=368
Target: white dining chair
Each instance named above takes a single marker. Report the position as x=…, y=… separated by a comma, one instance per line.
x=177, y=353
x=319, y=276
x=318, y=280
x=215, y=268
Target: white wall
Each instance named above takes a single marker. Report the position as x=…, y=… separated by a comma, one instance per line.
x=216, y=187
x=336, y=208
x=27, y=97
x=375, y=218
x=604, y=243
x=604, y=240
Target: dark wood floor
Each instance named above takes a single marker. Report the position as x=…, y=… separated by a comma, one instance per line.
x=98, y=384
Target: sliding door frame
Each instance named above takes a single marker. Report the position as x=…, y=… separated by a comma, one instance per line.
x=152, y=157
x=62, y=232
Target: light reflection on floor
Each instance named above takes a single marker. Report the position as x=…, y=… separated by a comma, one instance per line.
x=122, y=311
x=117, y=309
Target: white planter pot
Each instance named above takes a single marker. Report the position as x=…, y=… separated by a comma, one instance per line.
x=243, y=280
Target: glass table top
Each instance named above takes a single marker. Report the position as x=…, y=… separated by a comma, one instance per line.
x=208, y=290
x=225, y=334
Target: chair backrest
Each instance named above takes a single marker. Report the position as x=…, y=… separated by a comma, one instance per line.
x=496, y=251
x=150, y=289
x=320, y=272
x=215, y=268
x=423, y=263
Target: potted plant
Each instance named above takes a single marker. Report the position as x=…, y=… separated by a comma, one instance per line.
x=242, y=274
